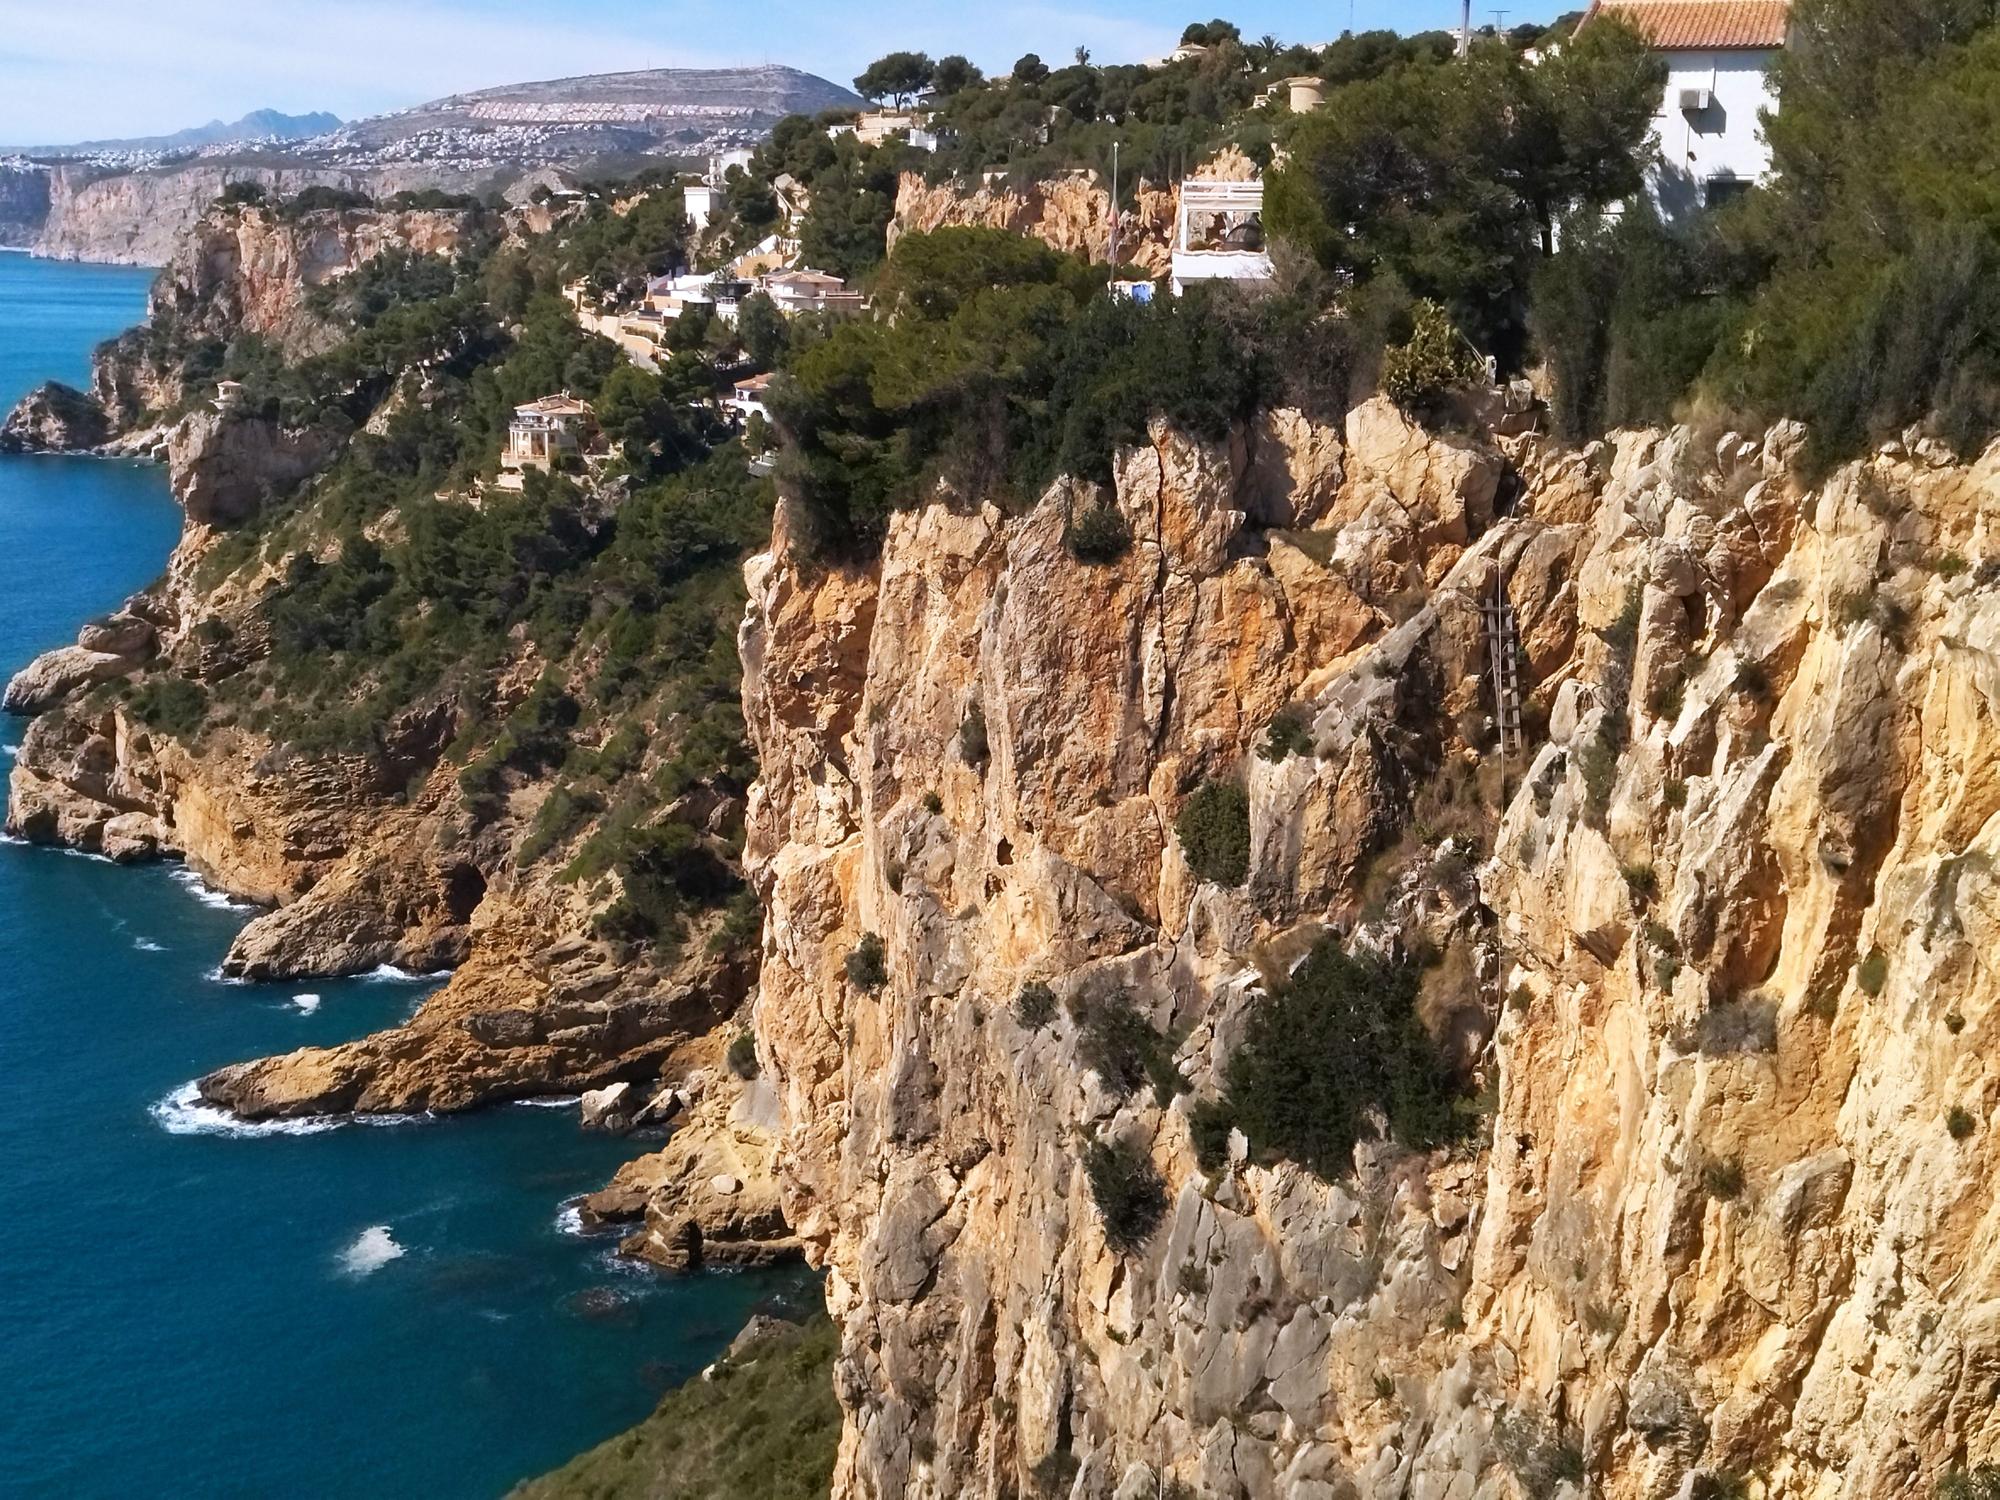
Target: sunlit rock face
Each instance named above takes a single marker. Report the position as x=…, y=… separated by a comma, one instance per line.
x=1708, y=958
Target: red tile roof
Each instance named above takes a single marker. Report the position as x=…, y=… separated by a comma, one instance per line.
x=1704, y=24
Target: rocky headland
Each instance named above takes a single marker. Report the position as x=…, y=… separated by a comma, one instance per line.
x=368, y=856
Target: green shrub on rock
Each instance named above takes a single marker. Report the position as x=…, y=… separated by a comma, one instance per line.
x=1129, y=1194
x=1118, y=1044
x=1209, y=1125
x=867, y=967
x=172, y=705
x=1434, y=362
x=1099, y=535
x=1035, y=1006
x=1325, y=1055
x=1214, y=830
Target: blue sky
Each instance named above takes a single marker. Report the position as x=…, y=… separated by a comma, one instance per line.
x=80, y=69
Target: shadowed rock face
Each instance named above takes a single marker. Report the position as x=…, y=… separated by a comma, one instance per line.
x=1717, y=1223
x=54, y=418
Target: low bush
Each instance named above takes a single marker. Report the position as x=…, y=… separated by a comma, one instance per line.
x=1542, y=1458
x=765, y=1423
x=1214, y=830
x=1130, y=1197
x=1209, y=1125
x=972, y=746
x=1289, y=734
x=1872, y=972
x=1722, y=1178
x=1739, y=1026
x=867, y=965
x=1959, y=1122
x=1035, y=1006
x=1098, y=535
x=172, y=705
x=1118, y=1044
x=1435, y=361
x=1337, y=1047
x=1982, y=1483
x=742, y=1056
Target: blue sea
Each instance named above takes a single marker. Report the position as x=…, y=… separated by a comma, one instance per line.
x=191, y=1308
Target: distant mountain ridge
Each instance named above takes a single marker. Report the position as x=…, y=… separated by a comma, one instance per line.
x=131, y=205
x=658, y=102
x=258, y=125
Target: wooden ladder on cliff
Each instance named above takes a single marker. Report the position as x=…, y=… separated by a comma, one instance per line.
x=1503, y=656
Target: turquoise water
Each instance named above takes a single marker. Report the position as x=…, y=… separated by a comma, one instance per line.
x=373, y=1310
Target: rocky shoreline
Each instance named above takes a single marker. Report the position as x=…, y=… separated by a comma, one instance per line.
x=354, y=864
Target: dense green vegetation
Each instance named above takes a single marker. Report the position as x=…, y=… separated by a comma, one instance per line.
x=766, y=1426
x=1857, y=291
x=403, y=616
x=1214, y=830
x=1446, y=178
x=1004, y=365
x=1130, y=1197
x=1327, y=1055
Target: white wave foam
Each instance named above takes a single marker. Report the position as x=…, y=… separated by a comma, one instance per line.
x=372, y=1249
x=214, y=975
x=307, y=1003
x=12, y=752
x=570, y=1220
x=390, y=974
x=625, y=1265
x=551, y=1101
x=185, y=1112
x=205, y=893
x=147, y=945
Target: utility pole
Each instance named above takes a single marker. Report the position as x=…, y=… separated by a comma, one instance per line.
x=1465, y=30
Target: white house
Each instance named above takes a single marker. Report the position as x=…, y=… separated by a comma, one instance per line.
x=1719, y=55
x=746, y=398
x=1220, y=233
x=701, y=202
x=806, y=290
x=540, y=434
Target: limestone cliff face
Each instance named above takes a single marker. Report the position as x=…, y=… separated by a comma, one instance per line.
x=24, y=205
x=141, y=218
x=1719, y=964
x=252, y=271
x=1070, y=213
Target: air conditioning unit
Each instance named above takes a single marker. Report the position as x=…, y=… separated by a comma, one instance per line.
x=1695, y=101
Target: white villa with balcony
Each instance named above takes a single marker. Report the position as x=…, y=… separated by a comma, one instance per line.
x=540, y=433
x=809, y=291
x=1220, y=233
x=1719, y=55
